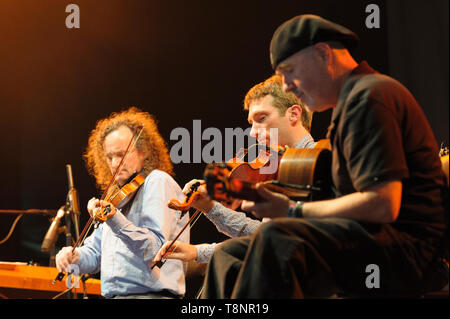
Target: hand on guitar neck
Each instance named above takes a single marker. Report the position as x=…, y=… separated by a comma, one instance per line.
x=272, y=204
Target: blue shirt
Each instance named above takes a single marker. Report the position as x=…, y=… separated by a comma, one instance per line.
x=123, y=247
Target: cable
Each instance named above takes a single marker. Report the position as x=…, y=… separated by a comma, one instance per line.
x=11, y=229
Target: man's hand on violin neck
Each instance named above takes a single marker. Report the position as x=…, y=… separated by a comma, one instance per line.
x=92, y=204
x=188, y=187
x=274, y=204
x=100, y=210
x=202, y=201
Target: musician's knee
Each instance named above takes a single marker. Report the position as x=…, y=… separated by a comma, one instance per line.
x=282, y=227
x=236, y=247
x=273, y=233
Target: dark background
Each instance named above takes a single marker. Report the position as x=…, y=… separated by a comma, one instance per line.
x=179, y=60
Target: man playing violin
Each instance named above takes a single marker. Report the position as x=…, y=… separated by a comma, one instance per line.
x=123, y=247
x=268, y=107
x=383, y=234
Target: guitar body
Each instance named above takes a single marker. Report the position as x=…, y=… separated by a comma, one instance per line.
x=303, y=174
x=306, y=167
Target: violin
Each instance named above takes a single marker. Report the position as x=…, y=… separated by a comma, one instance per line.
x=302, y=174
x=117, y=195
x=120, y=196
x=238, y=166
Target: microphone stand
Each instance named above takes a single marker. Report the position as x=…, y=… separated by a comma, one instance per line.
x=69, y=243
x=72, y=202
x=72, y=215
x=84, y=277
x=52, y=260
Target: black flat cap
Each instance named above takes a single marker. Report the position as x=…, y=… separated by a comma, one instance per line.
x=305, y=30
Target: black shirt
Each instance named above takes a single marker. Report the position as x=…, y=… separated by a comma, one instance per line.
x=378, y=133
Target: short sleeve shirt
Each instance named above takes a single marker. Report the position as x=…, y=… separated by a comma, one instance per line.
x=379, y=133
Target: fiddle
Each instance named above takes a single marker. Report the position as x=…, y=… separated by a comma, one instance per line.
x=121, y=196
x=302, y=174
x=114, y=194
x=239, y=167
x=183, y=207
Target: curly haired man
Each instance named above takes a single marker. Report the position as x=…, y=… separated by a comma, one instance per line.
x=123, y=247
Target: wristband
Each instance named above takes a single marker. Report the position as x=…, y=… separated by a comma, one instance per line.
x=295, y=209
x=299, y=209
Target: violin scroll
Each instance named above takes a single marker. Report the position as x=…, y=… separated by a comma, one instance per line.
x=104, y=214
x=188, y=201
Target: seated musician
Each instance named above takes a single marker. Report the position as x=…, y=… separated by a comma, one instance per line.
x=268, y=107
x=123, y=247
x=382, y=233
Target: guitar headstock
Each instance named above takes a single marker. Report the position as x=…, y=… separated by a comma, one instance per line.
x=216, y=179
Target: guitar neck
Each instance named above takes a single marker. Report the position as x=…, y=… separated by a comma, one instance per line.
x=247, y=190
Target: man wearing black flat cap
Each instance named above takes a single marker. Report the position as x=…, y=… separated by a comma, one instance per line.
x=384, y=232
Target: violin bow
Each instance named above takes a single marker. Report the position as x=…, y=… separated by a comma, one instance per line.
x=193, y=219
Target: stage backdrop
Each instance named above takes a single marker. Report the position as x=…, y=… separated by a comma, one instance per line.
x=180, y=61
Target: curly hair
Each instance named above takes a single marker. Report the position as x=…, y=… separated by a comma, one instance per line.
x=149, y=143
x=281, y=100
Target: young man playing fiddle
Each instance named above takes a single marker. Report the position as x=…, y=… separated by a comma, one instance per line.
x=268, y=107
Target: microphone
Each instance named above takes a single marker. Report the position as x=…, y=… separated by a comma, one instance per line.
x=73, y=194
x=53, y=232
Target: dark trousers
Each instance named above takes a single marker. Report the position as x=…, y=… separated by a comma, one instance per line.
x=297, y=258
